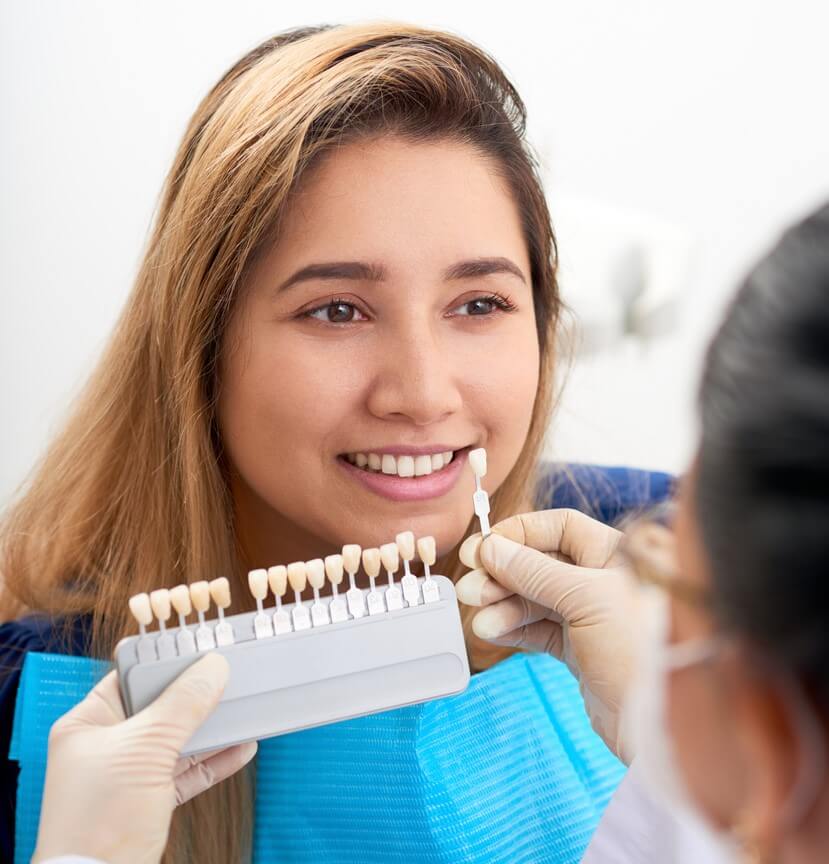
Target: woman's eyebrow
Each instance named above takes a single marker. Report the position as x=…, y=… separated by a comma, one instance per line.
x=368, y=272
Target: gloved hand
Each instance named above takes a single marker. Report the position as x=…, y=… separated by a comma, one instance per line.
x=555, y=581
x=112, y=783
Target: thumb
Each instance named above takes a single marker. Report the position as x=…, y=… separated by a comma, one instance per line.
x=188, y=701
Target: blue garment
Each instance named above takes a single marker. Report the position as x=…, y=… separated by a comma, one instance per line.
x=605, y=493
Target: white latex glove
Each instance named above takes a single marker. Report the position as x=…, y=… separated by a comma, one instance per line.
x=112, y=783
x=555, y=581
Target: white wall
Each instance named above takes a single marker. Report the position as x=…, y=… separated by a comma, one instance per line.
x=706, y=118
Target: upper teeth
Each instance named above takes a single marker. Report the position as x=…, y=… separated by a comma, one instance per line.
x=403, y=466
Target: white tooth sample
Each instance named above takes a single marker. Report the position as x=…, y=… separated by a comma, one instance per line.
x=278, y=582
x=390, y=556
x=220, y=592
x=437, y=461
x=427, y=552
x=411, y=590
x=422, y=466
x=165, y=644
x=141, y=610
x=200, y=597
x=405, y=466
x=480, y=500
x=375, y=463
x=389, y=464
x=334, y=569
x=406, y=545
x=143, y=613
x=297, y=579
x=316, y=578
x=337, y=608
x=477, y=461
x=180, y=598
x=372, y=564
x=258, y=584
x=161, y=606
x=361, y=460
x=354, y=596
x=351, y=560
x=316, y=573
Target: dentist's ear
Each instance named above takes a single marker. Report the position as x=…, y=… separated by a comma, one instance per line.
x=785, y=752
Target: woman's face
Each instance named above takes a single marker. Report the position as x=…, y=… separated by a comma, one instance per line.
x=391, y=323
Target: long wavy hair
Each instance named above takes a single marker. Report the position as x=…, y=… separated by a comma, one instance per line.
x=133, y=493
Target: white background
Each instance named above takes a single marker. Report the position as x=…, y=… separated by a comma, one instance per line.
x=698, y=129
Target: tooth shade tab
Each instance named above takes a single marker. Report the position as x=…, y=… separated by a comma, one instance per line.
x=141, y=609
x=297, y=576
x=278, y=579
x=180, y=598
x=477, y=461
x=160, y=603
x=316, y=573
x=351, y=558
x=372, y=562
x=334, y=569
x=258, y=583
x=200, y=595
x=220, y=592
x=390, y=556
x=426, y=550
x=406, y=545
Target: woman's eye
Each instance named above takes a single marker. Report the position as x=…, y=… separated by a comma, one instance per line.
x=481, y=306
x=337, y=312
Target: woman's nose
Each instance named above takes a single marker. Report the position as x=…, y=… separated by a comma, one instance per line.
x=415, y=380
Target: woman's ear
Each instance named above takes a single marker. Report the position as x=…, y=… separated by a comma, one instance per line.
x=767, y=733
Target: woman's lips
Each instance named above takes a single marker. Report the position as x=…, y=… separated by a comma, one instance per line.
x=397, y=488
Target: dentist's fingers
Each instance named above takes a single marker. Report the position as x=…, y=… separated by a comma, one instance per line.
x=508, y=615
x=524, y=571
x=572, y=534
x=544, y=636
x=203, y=773
x=477, y=588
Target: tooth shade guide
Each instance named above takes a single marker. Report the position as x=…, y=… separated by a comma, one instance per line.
x=220, y=592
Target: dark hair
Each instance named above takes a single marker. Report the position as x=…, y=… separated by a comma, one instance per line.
x=762, y=488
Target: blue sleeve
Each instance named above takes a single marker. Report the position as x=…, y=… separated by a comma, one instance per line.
x=17, y=638
x=604, y=493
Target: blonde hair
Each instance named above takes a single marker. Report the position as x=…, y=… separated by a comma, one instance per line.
x=133, y=493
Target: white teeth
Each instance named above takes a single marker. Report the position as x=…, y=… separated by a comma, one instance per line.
x=402, y=466
x=422, y=466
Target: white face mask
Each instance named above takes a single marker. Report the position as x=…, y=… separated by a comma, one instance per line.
x=645, y=723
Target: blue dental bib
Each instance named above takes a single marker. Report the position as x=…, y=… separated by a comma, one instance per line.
x=508, y=771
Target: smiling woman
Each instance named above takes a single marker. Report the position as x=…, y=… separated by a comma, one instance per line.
x=351, y=282
x=410, y=358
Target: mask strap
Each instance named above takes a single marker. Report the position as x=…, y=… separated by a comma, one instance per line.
x=811, y=756
x=680, y=655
